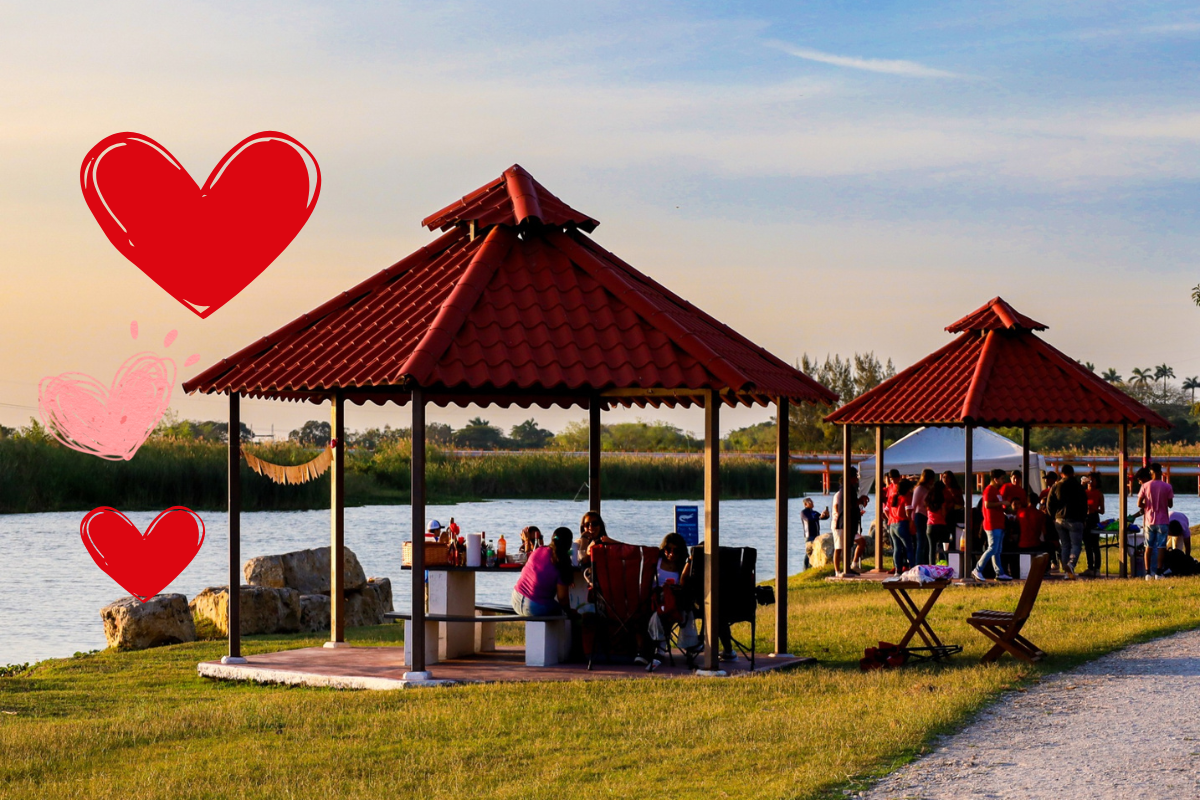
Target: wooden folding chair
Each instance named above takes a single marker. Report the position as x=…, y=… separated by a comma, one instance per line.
x=1004, y=627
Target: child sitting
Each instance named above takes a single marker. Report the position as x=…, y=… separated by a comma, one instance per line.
x=670, y=602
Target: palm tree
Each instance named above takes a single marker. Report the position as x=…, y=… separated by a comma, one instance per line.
x=1089, y=366
x=1193, y=384
x=1142, y=376
x=1164, y=372
x=1111, y=376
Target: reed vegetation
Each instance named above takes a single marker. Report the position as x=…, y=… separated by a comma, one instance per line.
x=38, y=474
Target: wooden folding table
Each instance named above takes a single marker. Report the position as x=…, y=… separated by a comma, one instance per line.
x=917, y=616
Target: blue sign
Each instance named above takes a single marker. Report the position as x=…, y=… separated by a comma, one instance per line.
x=687, y=524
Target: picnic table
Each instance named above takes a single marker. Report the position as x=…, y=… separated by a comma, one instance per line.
x=918, y=618
x=463, y=626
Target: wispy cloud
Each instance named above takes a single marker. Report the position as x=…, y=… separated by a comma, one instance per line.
x=887, y=66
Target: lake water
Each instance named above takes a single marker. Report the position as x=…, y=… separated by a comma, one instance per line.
x=51, y=592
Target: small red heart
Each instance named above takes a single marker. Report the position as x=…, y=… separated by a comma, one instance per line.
x=202, y=245
x=143, y=564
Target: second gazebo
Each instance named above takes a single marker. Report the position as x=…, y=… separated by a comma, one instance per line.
x=996, y=373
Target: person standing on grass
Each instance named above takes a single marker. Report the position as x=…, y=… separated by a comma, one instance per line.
x=1067, y=504
x=994, y=521
x=1050, y=535
x=920, y=516
x=812, y=523
x=847, y=524
x=899, y=512
x=939, y=531
x=1091, y=525
x=1155, y=498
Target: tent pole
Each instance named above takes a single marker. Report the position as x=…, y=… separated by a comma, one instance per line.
x=712, y=499
x=416, y=670
x=1123, y=490
x=847, y=533
x=783, y=470
x=234, y=622
x=969, y=502
x=1025, y=456
x=337, y=525
x=594, y=454
x=879, y=473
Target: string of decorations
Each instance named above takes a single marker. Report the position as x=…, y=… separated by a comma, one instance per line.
x=299, y=473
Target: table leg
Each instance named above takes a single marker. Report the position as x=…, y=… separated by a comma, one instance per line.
x=916, y=616
x=453, y=593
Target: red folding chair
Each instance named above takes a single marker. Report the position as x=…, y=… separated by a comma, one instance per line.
x=622, y=588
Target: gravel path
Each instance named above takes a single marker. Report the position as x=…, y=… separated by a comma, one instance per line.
x=1125, y=725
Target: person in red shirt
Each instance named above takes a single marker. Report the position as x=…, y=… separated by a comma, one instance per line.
x=1013, y=493
x=994, y=521
x=899, y=514
x=1091, y=524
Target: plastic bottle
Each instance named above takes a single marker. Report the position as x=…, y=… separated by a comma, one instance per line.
x=501, y=550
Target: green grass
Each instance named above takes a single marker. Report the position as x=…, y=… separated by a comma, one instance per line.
x=119, y=725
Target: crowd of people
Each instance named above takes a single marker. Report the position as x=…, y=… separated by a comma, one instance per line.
x=923, y=517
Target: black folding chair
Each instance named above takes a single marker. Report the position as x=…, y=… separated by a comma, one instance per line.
x=737, y=585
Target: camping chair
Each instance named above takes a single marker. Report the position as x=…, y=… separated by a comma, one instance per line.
x=622, y=583
x=738, y=585
x=1004, y=627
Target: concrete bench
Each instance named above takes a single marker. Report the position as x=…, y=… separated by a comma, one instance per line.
x=547, y=639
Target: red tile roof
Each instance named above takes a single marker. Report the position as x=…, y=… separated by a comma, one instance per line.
x=511, y=199
x=996, y=373
x=520, y=314
x=995, y=315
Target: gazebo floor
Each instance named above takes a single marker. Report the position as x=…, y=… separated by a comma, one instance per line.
x=383, y=668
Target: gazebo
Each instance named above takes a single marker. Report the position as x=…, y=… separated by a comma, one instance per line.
x=513, y=304
x=996, y=373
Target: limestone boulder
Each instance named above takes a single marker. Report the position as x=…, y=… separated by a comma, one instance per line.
x=820, y=551
x=314, y=612
x=306, y=571
x=133, y=625
x=367, y=607
x=264, y=609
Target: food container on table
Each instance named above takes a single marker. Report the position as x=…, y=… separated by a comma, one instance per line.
x=474, y=542
x=436, y=554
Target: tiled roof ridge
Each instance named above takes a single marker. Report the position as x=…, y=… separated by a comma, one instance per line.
x=458, y=304
x=973, y=400
x=511, y=199
x=346, y=298
x=995, y=310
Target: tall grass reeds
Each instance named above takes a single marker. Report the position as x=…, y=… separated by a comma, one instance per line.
x=38, y=474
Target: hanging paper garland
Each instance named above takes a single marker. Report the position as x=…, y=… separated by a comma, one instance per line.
x=300, y=473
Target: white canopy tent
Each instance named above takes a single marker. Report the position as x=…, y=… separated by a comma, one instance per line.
x=941, y=449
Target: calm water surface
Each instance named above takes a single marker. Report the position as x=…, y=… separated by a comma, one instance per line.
x=51, y=592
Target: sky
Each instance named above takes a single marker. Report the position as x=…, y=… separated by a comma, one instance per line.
x=824, y=177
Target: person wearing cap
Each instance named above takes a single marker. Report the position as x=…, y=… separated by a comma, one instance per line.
x=434, y=531
x=541, y=590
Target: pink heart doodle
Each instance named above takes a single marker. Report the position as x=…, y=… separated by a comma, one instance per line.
x=112, y=422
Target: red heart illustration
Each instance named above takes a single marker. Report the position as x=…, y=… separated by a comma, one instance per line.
x=202, y=245
x=143, y=564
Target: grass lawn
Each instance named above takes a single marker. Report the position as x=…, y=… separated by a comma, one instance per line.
x=143, y=725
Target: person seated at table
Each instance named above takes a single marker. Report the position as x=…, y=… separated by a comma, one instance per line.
x=591, y=531
x=531, y=539
x=541, y=590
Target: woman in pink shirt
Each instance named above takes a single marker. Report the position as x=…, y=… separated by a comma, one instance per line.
x=541, y=591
